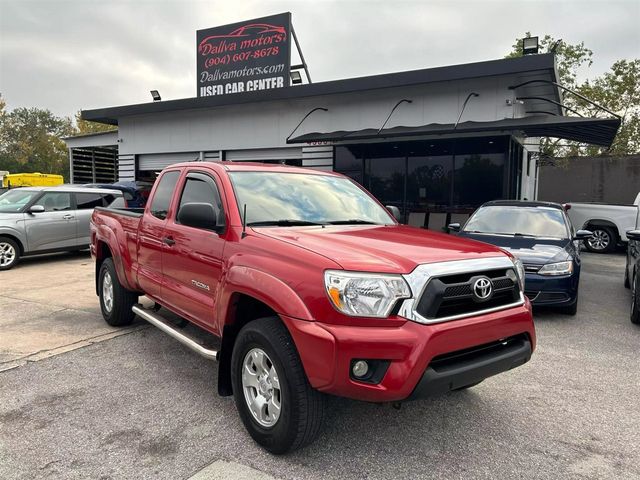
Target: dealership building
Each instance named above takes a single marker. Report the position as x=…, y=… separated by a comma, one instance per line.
x=435, y=142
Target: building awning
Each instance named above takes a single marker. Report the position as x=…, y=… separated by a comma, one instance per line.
x=594, y=131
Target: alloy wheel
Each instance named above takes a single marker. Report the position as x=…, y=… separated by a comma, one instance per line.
x=107, y=292
x=600, y=240
x=261, y=387
x=7, y=254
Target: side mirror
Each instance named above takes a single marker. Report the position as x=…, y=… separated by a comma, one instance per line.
x=199, y=215
x=36, y=209
x=583, y=235
x=454, y=227
x=395, y=211
x=633, y=234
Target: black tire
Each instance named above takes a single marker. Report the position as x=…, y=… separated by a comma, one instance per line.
x=9, y=253
x=627, y=283
x=117, y=310
x=635, y=300
x=301, y=407
x=604, y=240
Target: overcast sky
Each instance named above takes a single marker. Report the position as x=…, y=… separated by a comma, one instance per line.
x=68, y=55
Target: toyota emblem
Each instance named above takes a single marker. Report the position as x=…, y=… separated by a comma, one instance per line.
x=482, y=288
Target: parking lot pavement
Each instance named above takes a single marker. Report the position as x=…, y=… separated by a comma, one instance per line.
x=48, y=306
x=142, y=406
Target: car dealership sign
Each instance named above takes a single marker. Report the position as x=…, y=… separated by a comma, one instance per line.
x=245, y=56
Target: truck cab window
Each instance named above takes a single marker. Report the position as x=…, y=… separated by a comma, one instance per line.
x=201, y=188
x=164, y=192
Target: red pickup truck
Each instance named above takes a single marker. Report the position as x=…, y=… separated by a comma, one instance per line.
x=311, y=287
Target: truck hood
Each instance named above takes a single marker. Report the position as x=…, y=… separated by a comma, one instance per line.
x=534, y=251
x=380, y=248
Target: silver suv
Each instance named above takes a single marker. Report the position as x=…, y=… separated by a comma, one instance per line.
x=35, y=220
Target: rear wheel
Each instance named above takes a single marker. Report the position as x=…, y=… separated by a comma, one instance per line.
x=115, y=300
x=276, y=403
x=604, y=240
x=9, y=253
x=627, y=283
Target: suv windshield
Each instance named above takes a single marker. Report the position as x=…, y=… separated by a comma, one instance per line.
x=14, y=201
x=288, y=199
x=512, y=220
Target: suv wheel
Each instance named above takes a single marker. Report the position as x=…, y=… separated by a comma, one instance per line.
x=604, y=240
x=278, y=407
x=635, y=300
x=9, y=253
x=115, y=300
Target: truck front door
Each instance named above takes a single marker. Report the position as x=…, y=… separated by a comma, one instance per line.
x=151, y=236
x=192, y=260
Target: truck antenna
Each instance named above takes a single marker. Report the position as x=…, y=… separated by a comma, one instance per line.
x=244, y=221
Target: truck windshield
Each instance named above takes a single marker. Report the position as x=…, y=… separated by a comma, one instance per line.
x=14, y=201
x=514, y=220
x=289, y=199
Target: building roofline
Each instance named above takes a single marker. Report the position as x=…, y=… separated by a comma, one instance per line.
x=489, y=68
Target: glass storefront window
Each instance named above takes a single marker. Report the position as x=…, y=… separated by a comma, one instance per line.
x=433, y=179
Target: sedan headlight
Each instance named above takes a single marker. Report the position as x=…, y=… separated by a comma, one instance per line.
x=560, y=268
x=519, y=272
x=364, y=294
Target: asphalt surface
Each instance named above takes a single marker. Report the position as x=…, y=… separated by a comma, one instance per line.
x=142, y=406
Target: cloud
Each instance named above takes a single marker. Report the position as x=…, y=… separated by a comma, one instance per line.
x=67, y=55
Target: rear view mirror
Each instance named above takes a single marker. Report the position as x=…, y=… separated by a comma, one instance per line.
x=199, y=215
x=36, y=209
x=583, y=235
x=633, y=234
x=395, y=211
x=454, y=227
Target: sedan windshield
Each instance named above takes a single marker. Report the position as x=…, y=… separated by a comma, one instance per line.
x=514, y=220
x=14, y=201
x=290, y=199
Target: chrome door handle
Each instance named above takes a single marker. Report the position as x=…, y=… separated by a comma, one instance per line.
x=169, y=241
x=67, y=216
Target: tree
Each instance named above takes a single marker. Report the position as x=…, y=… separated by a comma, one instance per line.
x=86, y=127
x=618, y=90
x=31, y=141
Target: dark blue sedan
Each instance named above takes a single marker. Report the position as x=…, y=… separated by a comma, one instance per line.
x=539, y=234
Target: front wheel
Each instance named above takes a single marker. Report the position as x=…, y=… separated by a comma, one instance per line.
x=635, y=300
x=9, y=253
x=275, y=401
x=604, y=240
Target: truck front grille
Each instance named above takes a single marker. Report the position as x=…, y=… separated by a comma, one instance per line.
x=453, y=295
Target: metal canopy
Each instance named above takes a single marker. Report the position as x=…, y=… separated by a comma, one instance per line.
x=595, y=131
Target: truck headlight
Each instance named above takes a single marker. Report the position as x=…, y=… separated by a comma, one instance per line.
x=365, y=294
x=560, y=268
x=519, y=272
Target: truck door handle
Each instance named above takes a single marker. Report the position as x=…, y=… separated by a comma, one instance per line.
x=169, y=241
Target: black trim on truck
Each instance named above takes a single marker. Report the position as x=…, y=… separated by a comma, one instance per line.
x=466, y=367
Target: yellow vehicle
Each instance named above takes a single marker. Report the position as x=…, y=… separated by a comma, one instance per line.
x=13, y=180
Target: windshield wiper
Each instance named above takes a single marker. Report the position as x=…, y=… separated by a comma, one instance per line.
x=353, y=221
x=283, y=223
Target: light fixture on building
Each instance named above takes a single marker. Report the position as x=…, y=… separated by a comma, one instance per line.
x=529, y=45
x=155, y=94
x=296, y=78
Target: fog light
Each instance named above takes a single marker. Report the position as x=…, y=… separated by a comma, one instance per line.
x=360, y=369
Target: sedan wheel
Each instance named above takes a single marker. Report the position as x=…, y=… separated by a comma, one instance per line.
x=635, y=301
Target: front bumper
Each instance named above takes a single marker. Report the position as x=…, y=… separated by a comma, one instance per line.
x=327, y=350
x=553, y=291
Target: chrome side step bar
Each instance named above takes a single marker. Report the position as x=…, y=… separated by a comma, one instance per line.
x=157, y=321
